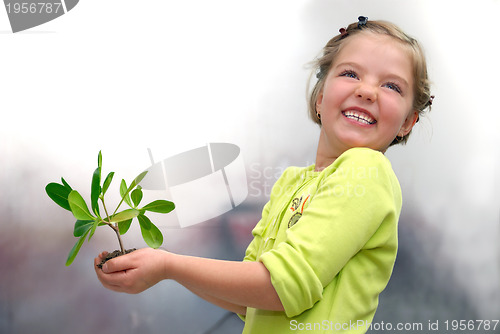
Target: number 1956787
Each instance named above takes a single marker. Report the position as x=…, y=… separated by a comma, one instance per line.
x=34, y=7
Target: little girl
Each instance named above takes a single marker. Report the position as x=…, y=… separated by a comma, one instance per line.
x=326, y=244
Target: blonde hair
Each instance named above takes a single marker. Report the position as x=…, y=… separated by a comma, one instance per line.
x=422, y=97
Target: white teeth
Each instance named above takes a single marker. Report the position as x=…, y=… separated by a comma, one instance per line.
x=360, y=117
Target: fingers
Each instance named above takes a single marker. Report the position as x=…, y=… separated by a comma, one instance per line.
x=131, y=273
x=116, y=274
x=114, y=281
x=120, y=263
x=99, y=258
x=113, y=265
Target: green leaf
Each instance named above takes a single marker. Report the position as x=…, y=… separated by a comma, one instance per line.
x=99, y=160
x=137, y=180
x=136, y=196
x=124, y=191
x=59, y=194
x=124, y=215
x=76, y=248
x=94, y=226
x=151, y=234
x=107, y=182
x=82, y=227
x=124, y=194
x=123, y=188
x=144, y=222
x=78, y=206
x=95, y=190
x=66, y=184
x=123, y=226
x=160, y=206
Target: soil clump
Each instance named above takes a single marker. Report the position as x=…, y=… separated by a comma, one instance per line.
x=114, y=254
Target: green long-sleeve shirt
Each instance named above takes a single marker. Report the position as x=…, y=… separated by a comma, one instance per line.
x=329, y=241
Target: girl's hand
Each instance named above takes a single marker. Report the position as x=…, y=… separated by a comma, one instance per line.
x=233, y=285
x=134, y=272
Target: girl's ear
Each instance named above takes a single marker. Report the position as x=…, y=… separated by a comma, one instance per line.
x=319, y=101
x=408, y=124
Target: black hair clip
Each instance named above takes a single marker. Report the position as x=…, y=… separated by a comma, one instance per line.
x=362, y=21
x=321, y=72
x=429, y=103
x=343, y=33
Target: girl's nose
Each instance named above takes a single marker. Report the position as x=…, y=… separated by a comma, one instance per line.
x=366, y=92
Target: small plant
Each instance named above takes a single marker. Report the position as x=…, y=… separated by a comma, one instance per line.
x=87, y=221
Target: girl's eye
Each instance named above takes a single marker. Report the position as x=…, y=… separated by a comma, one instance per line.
x=393, y=86
x=349, y=74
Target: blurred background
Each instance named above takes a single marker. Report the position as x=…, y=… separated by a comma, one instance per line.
x=124, y=76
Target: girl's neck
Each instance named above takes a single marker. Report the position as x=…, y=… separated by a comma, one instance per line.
x=326, y=154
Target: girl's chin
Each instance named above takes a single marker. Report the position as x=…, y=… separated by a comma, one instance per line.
x=356, y=142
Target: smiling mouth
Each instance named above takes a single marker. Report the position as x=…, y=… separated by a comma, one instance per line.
x=359, y=116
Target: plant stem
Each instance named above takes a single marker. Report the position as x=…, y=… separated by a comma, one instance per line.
x=114, y=227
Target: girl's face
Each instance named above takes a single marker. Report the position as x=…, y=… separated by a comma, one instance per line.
x=367, y=96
